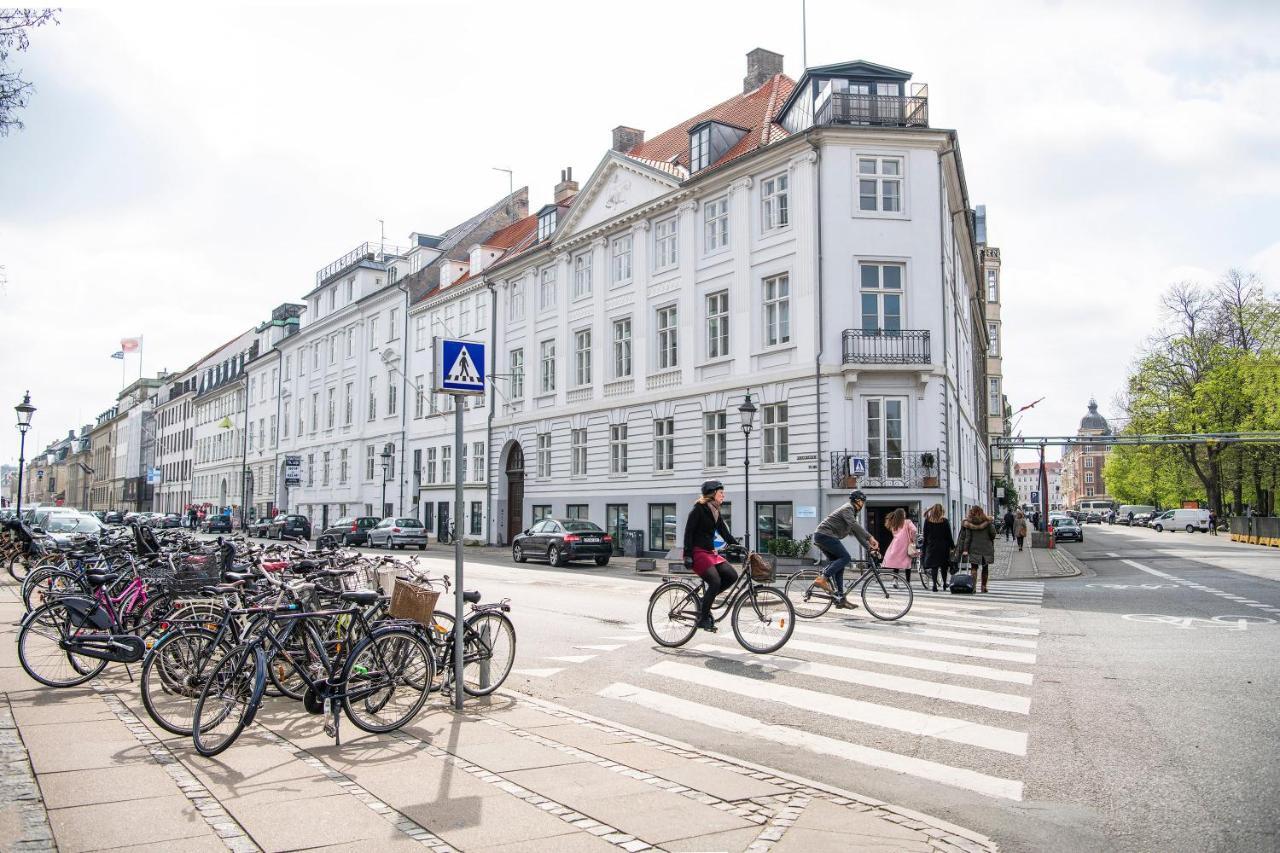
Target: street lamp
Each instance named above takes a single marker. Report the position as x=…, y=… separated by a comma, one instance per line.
x=748, y=413
x=25, y=410
x=387, y=457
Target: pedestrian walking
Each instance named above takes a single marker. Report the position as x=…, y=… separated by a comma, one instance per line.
x=1008, y=524
x=1213, y=523
x=1020, y=529
x=193, y=518
x=938, y=544
x=700, y=555
x=902, y=550
x=978, y=543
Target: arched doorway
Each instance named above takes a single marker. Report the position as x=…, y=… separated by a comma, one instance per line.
x=515, y=491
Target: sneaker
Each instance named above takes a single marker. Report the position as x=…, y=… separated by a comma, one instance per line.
x=707, y=624
x=822, y=583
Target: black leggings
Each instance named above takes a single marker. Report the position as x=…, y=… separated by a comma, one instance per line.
x=720, y=578
x=933, y=573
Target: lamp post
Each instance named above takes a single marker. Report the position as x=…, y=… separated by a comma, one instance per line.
x=387, y=456
x=748, y=413
x=25, y=410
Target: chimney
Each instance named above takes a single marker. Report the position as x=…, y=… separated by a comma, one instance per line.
x=567, y=187
x=625, y=138
x=761, y=65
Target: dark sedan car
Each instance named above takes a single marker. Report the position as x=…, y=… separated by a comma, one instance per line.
x=293, y=526
x=351, y=531
x=560, y=540
x=217, y=524
x=113, y=517
x=168, y=520
x=258, y=527
x=1066, y=528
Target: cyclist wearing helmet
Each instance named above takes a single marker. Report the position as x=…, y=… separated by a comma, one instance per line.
x=700, y=555
x=835, y=527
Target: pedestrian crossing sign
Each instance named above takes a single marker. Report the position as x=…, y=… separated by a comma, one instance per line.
x=459, y=367
x=858, y=466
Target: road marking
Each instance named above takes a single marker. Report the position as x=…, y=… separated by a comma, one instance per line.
x=952, y=614
x=630, y=638
x=1142, y=586
x=608, y=648
x=739, y=725
x=854, y=710
x=538, y=673
x=971, y=632
x=877, y=639
x=912, y=618
x=966, y=602
x=918, y=687
x=571, y=658
x=909, y=662
x=1231, y=622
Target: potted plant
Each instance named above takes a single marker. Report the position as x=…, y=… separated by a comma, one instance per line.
x=788, y=553
x=930, y=480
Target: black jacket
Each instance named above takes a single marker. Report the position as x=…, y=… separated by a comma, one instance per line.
x=938, y=543
x=700, y=529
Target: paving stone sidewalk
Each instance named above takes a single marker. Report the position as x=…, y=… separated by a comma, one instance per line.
x=1032, y=563
x=85, y=769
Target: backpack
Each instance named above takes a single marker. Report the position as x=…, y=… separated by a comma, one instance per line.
x=961, y=583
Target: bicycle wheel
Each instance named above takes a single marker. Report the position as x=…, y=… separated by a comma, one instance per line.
x=41, y=653
x=808, y=601
x=887, y=596
x=303, y=650
x=764, y=620
x=673, y=615
x=489, y=652
x=387, y=677
x=173, y=674
x=228, y=700
x=19, y=565
x=46, y=582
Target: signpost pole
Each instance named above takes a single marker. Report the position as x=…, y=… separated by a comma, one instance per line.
x=458, y=450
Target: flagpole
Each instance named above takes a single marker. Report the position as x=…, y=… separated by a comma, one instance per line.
x=123, y=378
x=139, y=356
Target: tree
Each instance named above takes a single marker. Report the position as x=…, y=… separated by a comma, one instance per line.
x=15, y=25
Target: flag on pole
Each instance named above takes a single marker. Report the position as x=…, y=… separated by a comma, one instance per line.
x=118, y=354
x=130, y=344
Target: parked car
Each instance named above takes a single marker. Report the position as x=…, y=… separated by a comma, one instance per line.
x=41, y=517
x=259, y=527
x=1128, y=513
x=1066, y=528
x=65, y=528
x=217, y=524
x=168, y=520
x=354, y=530
x=1189, y=520
x=1093, y=517
x=561, y=540
x=294, y=526
x=398, y=533
x=113, y=517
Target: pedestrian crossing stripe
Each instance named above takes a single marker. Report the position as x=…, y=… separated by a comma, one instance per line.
x=879, y=639
x=946, y=667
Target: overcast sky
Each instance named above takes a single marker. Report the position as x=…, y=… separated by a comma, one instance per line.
x=183, y=172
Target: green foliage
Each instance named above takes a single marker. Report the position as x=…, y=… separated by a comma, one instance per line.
x=781, y=546
x=1010, y=491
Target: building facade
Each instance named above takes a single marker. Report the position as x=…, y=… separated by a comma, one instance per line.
x=1082, y=464
x=1026, y=479
x=996, y=401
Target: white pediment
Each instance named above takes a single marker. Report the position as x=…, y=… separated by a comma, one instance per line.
x=618, y=185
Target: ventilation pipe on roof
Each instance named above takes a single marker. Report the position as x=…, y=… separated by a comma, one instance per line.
x=567, y=188
x=761, y=66
x=625, y=138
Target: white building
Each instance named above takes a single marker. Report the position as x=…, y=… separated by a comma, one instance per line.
x=175, y=418
x=1026, y=479
x=265, y=410
x=808, y=242
x=218, y=427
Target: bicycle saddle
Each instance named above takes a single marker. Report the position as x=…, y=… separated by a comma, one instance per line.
x=237, y=577
x=101, y=578
x=363, y=597
x=471, y=596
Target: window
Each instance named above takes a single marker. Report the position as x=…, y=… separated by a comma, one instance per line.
x=578, y=512
x=286, y=419
x=273, y=431
x=775, y=210
x=622, y=348
x=475, y=517
x=582, y=275
x=546, y=224
x=419, y=333
x=699, y=148
x=666, y=243
x=373, y=397
x=578, y=452
x=776, y=440
x=392, y=325
x=993, y=395
x=324, y=468
x=351, y=289
x=351, y=342
x=541, y=511
x=618, y=449
x=315, y=412
x=373, y=333
x=311, y=468
x=662, y=527
x=880, y=184
x=885, y=430
x=773, y=521
x=477, y=461
x=348, y=402
x=1088, y=476
x=993, y=288
x=419, y=396
x=715, y=224
x=431, y=464
x=544, y=454
x=342, y=467
x=777, y=310
x=1088, y=462
x=664, y=444
x=622, y=259
x=668, y=338
x=517, y=374
x=715, y=446
x=333, y=349
x=315, y=355
x=331, y=408
x=547, y=289
x=548, y=373
x=288, y=366
x=993, y=335
x=368, y=462
x=482, y=311
x=718, y=324
x=515, y=308
x=582, y=357
x=392, y=391
x=881, y=298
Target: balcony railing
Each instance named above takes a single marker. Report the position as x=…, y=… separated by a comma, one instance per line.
x=883, y=346
x=364, y=252
x=887, y=469
x=878, y=110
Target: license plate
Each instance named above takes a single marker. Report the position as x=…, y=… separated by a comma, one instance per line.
x=590, y=538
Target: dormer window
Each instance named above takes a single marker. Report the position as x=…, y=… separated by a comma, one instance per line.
x=709, y=141
x=699, y=148
x=546, y=222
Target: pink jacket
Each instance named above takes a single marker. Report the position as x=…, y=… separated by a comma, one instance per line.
x=895, y=556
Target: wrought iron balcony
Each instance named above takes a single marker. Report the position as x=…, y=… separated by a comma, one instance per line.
x=877, y=110
x=889, y=469
x=883, y=346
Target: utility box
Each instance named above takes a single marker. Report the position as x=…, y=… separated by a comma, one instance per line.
x=632, y=543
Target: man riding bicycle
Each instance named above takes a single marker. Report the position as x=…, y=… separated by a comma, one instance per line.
x=835, y=527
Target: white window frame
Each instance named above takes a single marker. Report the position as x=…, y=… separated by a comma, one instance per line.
x=348, y=405
x=515, y=361
x=993, y=286
x=666, y=243
x=622, y=366
x=621, y=252
x=582, y=357
x=667, y=331
x=993, y=337
x=515, y=305
x=700, y=148
x=776, y=299
x=716, y=306
x=477, y=461
x=419, y=396
x=664, y=444
x=547, y=366
x=879, y=453
x=776, y=441
x=446, y=463
x=775, y=202
x=582, y=264
x=544, y=454
x=715, y=225
x=715, y=439
x=618, y=449
x=880, y=291
x=547, y=288
x=431, y=465
x=578, y=452
x=886, y=172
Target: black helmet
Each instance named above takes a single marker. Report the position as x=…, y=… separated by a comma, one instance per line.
x=710, y=487
x=857, y=495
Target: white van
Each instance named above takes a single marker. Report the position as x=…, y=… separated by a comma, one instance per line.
x=1189, y=520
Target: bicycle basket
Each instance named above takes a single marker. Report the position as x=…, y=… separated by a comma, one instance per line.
x=193, y=571
x=761, y=571
x=413, y=601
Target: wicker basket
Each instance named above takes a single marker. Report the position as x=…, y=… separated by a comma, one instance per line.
x=761, y=571
x=413, y=601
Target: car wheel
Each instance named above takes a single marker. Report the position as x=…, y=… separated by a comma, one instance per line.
x=602, y=561
x=517, y=553
x=555, y=557
x=1159, y=529
x=1191, y=528
x=422, y=547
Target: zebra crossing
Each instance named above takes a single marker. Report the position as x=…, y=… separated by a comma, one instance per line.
x=943, y=695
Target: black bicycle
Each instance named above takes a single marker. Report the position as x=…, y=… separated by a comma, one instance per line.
x=886, y=593
x=762, y=617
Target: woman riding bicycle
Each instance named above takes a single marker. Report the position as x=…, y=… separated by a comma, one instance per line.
x=836, y=526
x=700, y=555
